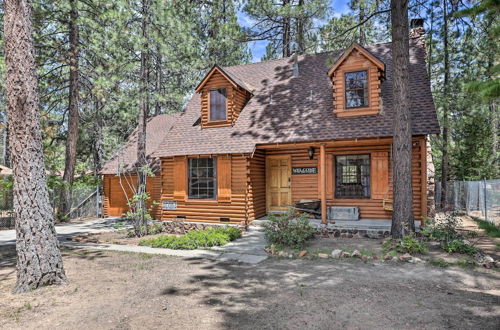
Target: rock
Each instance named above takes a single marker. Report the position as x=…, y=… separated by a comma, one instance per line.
x=405, y=257
x=345, y=254
x=414, y=260
x=336, y=253
x=387, y=257
x=488, y=265
x=394, y=259
x=375, y=258
x=488, y=259
x=356, y=254
x=282, y=254
x=496, y=264
x=302, y=253
x=323, y=255
x=363, y=257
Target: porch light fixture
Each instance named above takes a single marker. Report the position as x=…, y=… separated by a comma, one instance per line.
x=310, y=152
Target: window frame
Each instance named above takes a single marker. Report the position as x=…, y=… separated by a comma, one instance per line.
x=367, y=89
x=214, y=180
x=359, y=174
x=210, y=120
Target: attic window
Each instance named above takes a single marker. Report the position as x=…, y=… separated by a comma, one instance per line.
x=218, y=104
x=356, y=89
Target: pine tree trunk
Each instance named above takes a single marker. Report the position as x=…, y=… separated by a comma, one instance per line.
x=39, y=260
x=444, y=151
x=362, y=33
x=301, y=43
x=158, y=86
x=97, y=137
x=402, y=120
x=286, y=37
x=73, y=116
x=143, y=111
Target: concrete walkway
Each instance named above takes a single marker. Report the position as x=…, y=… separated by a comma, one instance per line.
x=248, y=249
x=66, y=230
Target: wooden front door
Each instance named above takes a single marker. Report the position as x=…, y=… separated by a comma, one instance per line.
x=278, y=185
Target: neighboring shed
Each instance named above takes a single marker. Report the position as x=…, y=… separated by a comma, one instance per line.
x=119, y=177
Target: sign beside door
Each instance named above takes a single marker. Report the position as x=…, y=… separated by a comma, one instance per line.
x=304, y=170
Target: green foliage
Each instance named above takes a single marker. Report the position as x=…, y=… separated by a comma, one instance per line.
x=153, y=229
x=288, y=229
x=459, y=246
x=408, y=244
x=445, y=230
x=195, y=239
x=439, y=262
x=490, y=228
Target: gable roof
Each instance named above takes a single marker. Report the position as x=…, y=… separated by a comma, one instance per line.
x=288, y=109
x=124, y=160
x=366, y=53
x=231, y=77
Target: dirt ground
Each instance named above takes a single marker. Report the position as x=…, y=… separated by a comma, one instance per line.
x=111, y=290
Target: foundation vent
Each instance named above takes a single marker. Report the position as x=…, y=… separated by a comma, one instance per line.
x=343, y=213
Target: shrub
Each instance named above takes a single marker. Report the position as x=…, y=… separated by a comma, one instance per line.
x=288, y=230
x=460, y=247
x=195, y=239
x=407, y=244
x=445, y=230
x=153, y=229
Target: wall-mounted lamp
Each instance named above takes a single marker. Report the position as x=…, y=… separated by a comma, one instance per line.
x=310, y=152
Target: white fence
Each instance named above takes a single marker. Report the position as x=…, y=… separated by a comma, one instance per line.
x=479, y=199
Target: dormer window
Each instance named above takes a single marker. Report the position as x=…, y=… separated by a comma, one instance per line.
x=356, y=89
x=218, y=110
x=356, y=79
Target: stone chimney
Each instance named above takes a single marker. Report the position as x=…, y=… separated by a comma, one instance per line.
x=417, y=28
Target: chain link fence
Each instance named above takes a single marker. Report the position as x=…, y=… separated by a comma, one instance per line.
x=480, y=199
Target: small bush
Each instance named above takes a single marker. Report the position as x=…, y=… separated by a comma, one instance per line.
x=195, y=239
x=289, y=230
x=459, y=246
x=445, y=230
x=408, y=244
x=153, y=229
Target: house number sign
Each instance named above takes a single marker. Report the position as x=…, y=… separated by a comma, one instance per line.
x=169, y=205
x=304, y=170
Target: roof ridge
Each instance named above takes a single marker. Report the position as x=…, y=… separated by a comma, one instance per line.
x=302, y=55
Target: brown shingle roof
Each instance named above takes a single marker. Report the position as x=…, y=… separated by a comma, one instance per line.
x=298, y=109
x=156, y=129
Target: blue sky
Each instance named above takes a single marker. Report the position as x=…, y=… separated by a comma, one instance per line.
x=258, y=48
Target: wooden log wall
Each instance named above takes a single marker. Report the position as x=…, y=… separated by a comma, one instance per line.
x=356, y=62
x=236, y=99
x=306, y=186
x=205, y=210
x=257, y=185
x=116, y=194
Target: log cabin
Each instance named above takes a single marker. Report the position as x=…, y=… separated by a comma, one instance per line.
x=261, y=137
x=119, y=178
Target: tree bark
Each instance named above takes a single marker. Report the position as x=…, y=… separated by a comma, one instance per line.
x=402, y=119
x=444, y=150
x=73, y=116
x=158, y=86
x=39, y=260
x=301, y=40
x=362, y=32
x=286, y=37
x=142, y=117
x=97, y=137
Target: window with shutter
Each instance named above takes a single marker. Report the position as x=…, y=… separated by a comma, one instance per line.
x=352, y=176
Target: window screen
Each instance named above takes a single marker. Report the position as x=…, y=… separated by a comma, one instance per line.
x=356, y=89
x=352, y=177
x=218, y=104
x=202, y=178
